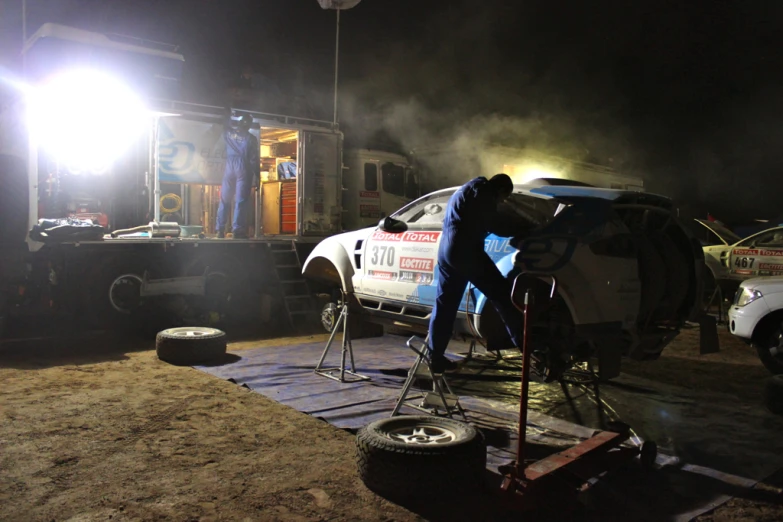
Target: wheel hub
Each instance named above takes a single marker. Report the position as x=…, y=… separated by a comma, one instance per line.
x=422, y=434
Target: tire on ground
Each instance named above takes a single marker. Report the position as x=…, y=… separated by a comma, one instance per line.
x=400, y=470
x=190, y=345
x=773, y=394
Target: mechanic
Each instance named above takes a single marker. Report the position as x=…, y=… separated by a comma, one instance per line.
x=469, y=218
x=242, y=166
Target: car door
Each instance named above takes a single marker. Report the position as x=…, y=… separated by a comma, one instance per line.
x=759, y=255
x=716, y=241
x=401, y=266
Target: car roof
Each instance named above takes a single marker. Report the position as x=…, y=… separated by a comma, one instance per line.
x=565, y=191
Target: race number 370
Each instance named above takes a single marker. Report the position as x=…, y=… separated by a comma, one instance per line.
x=744, y=262
x=382, y=255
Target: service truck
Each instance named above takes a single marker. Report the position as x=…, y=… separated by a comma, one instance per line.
x=94, y=136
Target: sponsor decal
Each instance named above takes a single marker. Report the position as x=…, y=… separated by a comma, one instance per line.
x=380, y=235
x=371, y=211
x=412, y=298
x=369, y=194
x=379, y=274
x=418, y=249
x=770, y=266
x=381, y=293
x=498, y=246
x=757, y=252
x=421, y=237
x=397, y=295
x=406, y=237
x=420, y=278
x=416, y=263
x=743, y=272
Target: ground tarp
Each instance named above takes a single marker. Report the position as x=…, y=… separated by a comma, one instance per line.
x=712, y=448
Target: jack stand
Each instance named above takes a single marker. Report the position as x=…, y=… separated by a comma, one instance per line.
x=440, y=398
x=347, y=348
x=559, y=478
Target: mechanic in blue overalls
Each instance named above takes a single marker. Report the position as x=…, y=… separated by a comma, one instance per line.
x=242, y=166
x=470, y=214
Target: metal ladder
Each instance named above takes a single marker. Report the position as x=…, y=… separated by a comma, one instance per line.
x=298, y=300
x=440, y=398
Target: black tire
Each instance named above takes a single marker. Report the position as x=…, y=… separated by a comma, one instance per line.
x=772, y=339
x=773, y=394
x=420, y=467
x=113, y=294
x=190, y=345
x=648, y=454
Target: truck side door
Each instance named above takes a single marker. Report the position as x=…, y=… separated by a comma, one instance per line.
x=319, y=183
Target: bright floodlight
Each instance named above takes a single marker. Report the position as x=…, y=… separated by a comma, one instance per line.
x=85, y=119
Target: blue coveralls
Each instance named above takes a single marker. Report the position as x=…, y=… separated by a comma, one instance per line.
x=462, y=259
x=242, y=163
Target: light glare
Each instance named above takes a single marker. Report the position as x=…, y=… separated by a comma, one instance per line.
x=85, y=119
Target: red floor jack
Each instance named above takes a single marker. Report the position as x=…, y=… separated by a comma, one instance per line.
x=559, y=478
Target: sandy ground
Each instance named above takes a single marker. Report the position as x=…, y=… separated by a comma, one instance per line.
x=98, y=429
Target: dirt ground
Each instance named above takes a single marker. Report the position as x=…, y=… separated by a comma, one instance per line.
x=96, y=428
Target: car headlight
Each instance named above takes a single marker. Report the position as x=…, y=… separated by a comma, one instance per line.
x=746, y=296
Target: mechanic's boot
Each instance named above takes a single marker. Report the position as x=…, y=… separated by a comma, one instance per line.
x=221, y=235
x=441, y=364
x=239, y=234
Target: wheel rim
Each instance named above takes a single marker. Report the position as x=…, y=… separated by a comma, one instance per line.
x=328, y=317
x=191, y=331
x=125, y=293
x=422, y=434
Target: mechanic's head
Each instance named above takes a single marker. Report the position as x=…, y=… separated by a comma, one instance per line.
x=503, y=186
x=245, y=122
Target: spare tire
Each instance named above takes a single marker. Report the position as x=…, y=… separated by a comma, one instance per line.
x=410, y=457
x=190, y=345
x=773, y=394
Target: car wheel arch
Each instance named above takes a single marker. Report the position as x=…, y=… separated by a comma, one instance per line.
x=330, y=264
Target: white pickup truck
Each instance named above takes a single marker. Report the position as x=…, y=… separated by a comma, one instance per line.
x=757, y=317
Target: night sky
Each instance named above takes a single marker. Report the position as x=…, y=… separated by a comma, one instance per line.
x=688, y=94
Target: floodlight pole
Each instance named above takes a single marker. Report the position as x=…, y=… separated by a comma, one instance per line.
x=24, y=38
x=336, y=61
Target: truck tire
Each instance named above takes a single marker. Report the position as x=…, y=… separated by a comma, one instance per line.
x=410, y=457
x=769, y=346
x=190, y=345
x=773, y=394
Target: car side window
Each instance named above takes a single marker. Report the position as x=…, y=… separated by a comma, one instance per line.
x=427, y=212
x=771, y=239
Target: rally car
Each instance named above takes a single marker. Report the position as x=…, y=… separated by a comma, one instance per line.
x=758, y=255
x=629, y=274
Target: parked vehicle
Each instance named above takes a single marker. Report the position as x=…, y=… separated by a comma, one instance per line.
x=756, y=316
x=629, y=273
x=758, y=255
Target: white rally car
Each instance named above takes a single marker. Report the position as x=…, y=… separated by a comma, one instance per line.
x=757, y=317
x=629, y=274
x=758, y=255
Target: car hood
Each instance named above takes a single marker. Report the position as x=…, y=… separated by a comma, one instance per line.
x=766, y=285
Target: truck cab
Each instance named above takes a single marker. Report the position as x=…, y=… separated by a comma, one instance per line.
x=375, y=184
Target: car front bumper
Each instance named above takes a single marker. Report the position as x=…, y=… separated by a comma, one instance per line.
x=743, y=319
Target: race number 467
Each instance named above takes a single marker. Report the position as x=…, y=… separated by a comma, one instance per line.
x=382, y=255
x=744, y=262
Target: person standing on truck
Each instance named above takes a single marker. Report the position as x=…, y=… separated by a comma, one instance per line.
x=242, y=166
x=470, y=214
